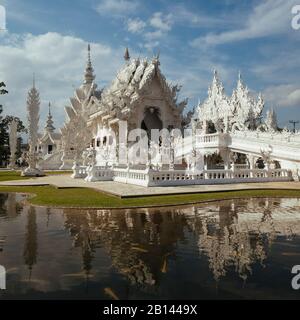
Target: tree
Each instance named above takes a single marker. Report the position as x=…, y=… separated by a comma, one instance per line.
x=4, y=127
x=2, y=130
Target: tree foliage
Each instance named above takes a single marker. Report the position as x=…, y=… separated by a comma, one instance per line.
x=4, y=128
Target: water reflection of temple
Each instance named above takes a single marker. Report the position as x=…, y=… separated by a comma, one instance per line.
x=232, y=235
x=31, y=242
x=10, y=206
x=238, y=234
x=139, y=244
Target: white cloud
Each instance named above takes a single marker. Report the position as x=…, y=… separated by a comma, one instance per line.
x=268, y=18
x=136, y=25
x=151, y=45
x=287, y=95
x=184, y=16
x=161, y=26
x=161, y=22
x=117, y=8
x=58, y=62
x=153, y=35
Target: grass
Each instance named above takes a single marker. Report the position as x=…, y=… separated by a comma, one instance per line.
x=11, y=175
x=57, y=172
x=88, y=198
x=16, y=175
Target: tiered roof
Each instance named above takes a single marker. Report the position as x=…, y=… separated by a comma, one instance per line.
x=131, y=84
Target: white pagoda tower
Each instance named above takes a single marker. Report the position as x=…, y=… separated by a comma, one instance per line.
x=33, y=110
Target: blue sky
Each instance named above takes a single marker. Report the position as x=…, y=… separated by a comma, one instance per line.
x=193, y=38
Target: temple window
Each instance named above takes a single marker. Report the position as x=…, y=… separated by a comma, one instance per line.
x=98, y=142
x=104, y=141
x=50, y=148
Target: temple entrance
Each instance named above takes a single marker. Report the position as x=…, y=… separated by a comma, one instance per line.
x=50, y=148
x=151, y=120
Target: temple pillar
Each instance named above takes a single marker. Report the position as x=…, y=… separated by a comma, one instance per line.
x=225, y=154
x=251, y=162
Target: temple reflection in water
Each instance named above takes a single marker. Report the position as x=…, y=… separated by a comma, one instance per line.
x=145, y=247
x=230, y=233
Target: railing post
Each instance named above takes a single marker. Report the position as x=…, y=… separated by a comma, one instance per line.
x=76, y=173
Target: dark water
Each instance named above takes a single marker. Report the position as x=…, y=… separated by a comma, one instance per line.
x=233, y=249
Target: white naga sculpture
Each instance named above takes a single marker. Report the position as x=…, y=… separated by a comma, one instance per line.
x=33, y=109
x=13, y=128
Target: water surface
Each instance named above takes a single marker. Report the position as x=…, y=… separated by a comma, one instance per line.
x=233, y=249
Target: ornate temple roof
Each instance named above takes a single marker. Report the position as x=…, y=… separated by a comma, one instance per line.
x=240, y=110
x=49, y=135
x=49, y=124
x=131, y=83
x=82, y=96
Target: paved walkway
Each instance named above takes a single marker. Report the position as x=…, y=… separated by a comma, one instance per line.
x=127, y=190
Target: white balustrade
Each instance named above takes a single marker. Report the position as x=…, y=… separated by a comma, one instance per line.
x=79, y=172
x=182, y=177
x=148, y=177
x=208, y=138
x=238, y=166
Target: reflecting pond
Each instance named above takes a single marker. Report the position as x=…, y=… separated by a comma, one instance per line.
x=233, y=249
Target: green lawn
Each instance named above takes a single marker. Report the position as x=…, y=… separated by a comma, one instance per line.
x=57, y=172
x=84, y=197
x=11, y=175
x=16, y=175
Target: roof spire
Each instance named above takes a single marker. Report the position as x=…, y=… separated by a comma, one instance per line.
x=33, y=80
x=49, y=124
x=127, y=55
x=240, y=83
x=89, y=53
x=158, y=54
x=89, y=71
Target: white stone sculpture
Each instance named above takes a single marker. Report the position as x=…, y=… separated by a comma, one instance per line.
x=271, y=121
x=91, y=169
x=13, y=128
x=239, y=112
x=33, y=109
x=195, y=161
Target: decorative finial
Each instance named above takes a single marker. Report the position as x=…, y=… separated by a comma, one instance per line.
x=89, y=71
x=89, y=53
x=158, y=55
x=49, y=123
x=33, y=80
x=155, y=59
x=240, y=75
x=127, y=55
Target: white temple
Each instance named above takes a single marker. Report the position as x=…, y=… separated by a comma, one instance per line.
x=49, y=145
x=133, y=131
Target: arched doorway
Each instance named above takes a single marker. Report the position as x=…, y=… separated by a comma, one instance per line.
x=151, y=120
